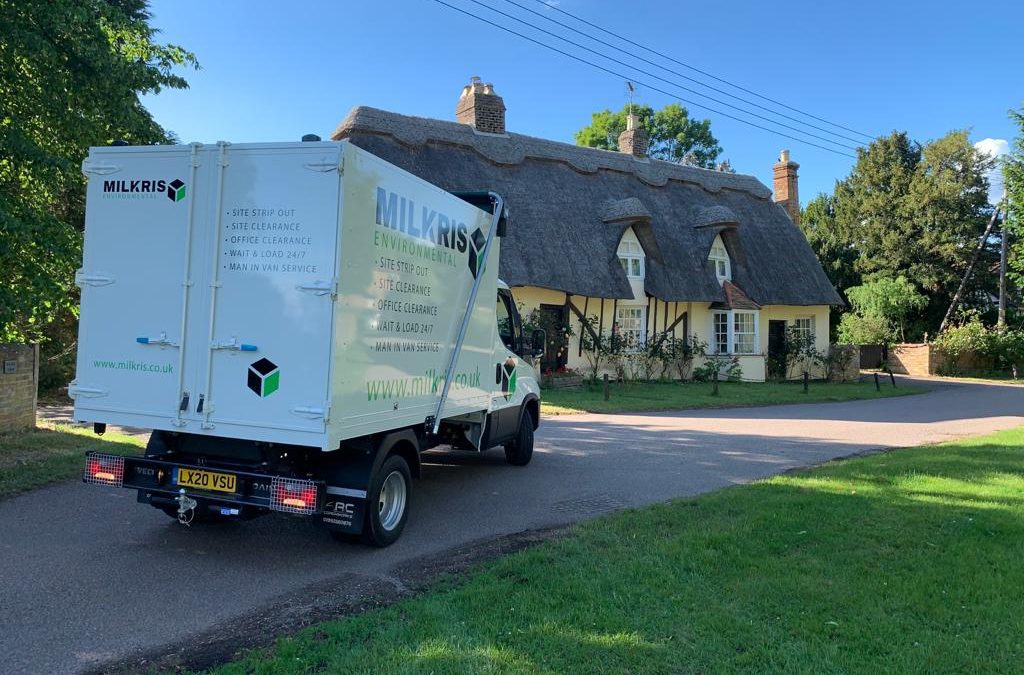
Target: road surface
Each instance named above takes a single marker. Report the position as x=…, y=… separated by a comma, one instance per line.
x=89, y=577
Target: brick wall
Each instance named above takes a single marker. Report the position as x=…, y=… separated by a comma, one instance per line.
x=912, y=359
x=18, y=389
x=849, y=357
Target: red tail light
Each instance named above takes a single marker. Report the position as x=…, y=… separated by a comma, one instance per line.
x=104, y=470
x=292, y=495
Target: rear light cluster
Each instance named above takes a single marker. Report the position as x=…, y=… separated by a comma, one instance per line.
x=104, y=470
x=293, y=495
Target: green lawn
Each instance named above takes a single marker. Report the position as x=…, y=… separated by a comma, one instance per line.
x=908, y=561
x=637, y=397
x=51, y=453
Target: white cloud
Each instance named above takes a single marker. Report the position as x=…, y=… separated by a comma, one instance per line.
x=994, y=147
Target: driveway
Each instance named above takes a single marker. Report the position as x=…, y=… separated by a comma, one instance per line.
x=88, y=577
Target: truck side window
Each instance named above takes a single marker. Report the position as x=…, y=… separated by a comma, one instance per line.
x=507, y=328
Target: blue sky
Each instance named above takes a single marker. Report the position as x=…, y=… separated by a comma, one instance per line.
x=274, y=71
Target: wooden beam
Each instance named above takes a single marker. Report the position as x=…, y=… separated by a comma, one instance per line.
x=584, y=326
x=655, y=322
x=672, y=327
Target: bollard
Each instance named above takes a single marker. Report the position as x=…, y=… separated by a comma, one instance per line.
x=893, y=378
x=714, y=386
x=878, y=387
x=806, y=378
x=606, y=393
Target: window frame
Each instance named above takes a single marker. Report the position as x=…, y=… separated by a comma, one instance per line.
x=505, y=297
x=630, y=252
x=730, y=316
x=641, y=321
x=811, y=325
x=719, y=256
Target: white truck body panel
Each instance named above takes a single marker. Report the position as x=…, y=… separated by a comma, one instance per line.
x=304, y=293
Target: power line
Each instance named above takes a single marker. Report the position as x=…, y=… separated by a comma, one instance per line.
x=652, y=87
x=687, y=77
x=662, y=79
x=703, y=72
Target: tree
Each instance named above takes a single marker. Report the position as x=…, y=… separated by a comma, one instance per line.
x=674, y=136
x=71, y=73
x=908, y=210
x=1013, y=179
x=892, y=300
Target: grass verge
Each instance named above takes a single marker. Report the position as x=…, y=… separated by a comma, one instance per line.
x=52, y=453
x=906, y=561
x=638, y=397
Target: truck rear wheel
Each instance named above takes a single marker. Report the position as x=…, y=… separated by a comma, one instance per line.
x=387, y=503
x=520, y=451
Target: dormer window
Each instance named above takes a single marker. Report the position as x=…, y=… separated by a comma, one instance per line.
x=719, y=259
x=631, y=257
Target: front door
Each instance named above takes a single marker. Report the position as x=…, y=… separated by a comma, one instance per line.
x=776, y=349
x=556, y=351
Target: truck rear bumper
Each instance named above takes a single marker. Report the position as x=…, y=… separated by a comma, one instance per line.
x=161, y=481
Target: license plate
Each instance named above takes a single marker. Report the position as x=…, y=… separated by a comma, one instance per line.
x=205, y=480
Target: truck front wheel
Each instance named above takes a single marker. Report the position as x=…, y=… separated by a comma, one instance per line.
x=520, y=451
x=387, y=503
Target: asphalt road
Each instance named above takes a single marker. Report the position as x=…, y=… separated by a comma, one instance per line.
x=87, y=576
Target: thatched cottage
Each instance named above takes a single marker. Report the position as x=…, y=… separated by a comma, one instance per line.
x=647, y=246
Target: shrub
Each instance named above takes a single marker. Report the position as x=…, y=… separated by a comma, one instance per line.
x=722, y=367
x=957, y=341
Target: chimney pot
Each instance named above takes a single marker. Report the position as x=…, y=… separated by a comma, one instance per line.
x=480, y=107
x=785, y=184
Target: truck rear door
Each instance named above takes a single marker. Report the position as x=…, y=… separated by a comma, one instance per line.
x=269, y=312
x=137, y=234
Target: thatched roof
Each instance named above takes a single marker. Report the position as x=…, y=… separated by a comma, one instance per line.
x=570, y=205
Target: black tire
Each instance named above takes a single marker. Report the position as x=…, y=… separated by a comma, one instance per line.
x=383, y=526
x=520, y=451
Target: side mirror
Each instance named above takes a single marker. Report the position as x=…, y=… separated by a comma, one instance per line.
x=538, y=340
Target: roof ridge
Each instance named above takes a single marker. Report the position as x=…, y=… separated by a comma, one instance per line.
x=513, y=148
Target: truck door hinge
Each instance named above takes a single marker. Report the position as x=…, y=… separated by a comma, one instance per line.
x=99, y=167
x=83, y=278
x=78, y=391
x=323, y=167
x=320, y=288
x=310, y=412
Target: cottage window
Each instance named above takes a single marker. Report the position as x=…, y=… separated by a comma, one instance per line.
x=735, y=332
x=632, y=325
x=719, y=259
x=744, y=331
x=804, y=325
x=631, y=257
x=721, y=338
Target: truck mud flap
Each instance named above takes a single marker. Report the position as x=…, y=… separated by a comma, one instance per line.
x=344, y=510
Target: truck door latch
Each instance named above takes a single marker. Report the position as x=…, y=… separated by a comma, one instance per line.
x=184, y=403
x=202, y=400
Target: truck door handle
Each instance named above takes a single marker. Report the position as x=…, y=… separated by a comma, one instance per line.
x=184, y=403
x=235, y=345
x=162, y=341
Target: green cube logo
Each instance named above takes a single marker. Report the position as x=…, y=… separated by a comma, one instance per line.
x=477, y=240
x=176, y=190
x=508, y=378
x=264, y=377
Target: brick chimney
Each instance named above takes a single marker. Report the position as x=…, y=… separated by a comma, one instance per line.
x=633, y=141
x=481, y=108
x=786, y=186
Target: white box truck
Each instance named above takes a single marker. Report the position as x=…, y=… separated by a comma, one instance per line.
x=295, y=322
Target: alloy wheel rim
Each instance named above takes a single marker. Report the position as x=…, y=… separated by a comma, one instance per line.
x=391, y=503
